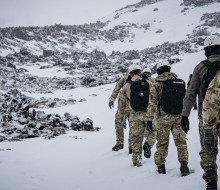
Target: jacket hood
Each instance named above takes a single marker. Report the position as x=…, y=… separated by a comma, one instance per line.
x=166, y=76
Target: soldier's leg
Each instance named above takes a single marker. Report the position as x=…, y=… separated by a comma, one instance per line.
x=119, y=133
x=130, y=141
x=163, y=133
x=137, y=130
x=179, y=137
x=129, y=138
x=119, y=130
x=149, y=142
x=151, y=137
x=208, y=161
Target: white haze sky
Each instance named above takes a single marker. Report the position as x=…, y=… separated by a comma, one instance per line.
x=49, y=12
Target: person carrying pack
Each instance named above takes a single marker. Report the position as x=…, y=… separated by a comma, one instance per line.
x=119, y=126
x=199, y=82
x=167, y=96
x=150, y=135
x=211, y=119
x=137, y=91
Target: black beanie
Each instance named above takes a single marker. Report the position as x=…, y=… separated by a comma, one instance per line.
x=212, y=50
x=163, y=69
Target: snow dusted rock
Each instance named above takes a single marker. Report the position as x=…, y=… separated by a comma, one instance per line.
x=41, y=115
x=23, y=121
x=82, y=100
x=47, y=53
x=19, y=122
x=87, y=124
x=2, y=138
x=87, y=80
x=75, y=124
x=211, y=19
x=33, y=133
x=51, y=103
x=198, y=2
x=159, y=31
x=24, y=51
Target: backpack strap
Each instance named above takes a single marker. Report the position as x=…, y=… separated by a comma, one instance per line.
x=130, y=82
x=206, y=62
x=209, y=75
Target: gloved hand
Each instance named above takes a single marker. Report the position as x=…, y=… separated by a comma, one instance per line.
x=185, y=124
x=149, y=126
x=123, y=122
x=111, y=104
x=209, y=142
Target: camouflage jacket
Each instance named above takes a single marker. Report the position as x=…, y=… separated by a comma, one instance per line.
x=211, y=104
x=194, y=87
x=157, y=93
x=152, y=80
x=118, y=87
x=125, y=98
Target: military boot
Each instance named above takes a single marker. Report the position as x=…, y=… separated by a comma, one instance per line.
x=117, y=147
x=136, y=161
x=161, y=169
x=212, y=185
x=184, y=168
x=147, y=151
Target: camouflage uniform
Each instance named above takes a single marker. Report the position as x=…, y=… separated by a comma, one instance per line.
x=118, y=128
x=188, y=102
x=151, y=137
x=136, y=121
x=211, y=119
x=165, y=123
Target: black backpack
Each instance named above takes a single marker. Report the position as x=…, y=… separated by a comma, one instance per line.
x=213, y=67
x=139, y=97
x=172, y=96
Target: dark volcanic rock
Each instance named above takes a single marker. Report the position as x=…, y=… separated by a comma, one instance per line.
x=47, y=53
x=19, y=122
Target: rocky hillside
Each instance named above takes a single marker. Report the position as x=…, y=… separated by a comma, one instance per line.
x=45, y=59
x=89, y=54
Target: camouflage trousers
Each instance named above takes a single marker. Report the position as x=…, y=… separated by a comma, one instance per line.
x=208, y=161
x=165, y=124
x=150, y=137
x=137, y=128
x=120, y=131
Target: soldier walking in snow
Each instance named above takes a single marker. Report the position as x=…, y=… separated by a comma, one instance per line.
x=199, y=83
x=137, y=91
x=168, y=93
x=211, y=123
x=150, y=136
x=119, y=125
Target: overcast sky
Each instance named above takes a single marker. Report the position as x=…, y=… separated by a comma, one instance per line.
x=49, y=12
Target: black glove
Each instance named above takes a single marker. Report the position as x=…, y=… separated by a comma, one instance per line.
x=123, y=122
x=209, y=142
x=149, y=126
x=111, y=104
x=185, y=124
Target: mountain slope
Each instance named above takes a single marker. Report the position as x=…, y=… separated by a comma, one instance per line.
x=99, y=53
x=84, y=160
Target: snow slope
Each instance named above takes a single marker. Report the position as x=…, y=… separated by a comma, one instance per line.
x=128, y=28
x=174, y=23
x=84, y=160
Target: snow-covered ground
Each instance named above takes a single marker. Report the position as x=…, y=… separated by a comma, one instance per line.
x=169, y=18
x=84, y=160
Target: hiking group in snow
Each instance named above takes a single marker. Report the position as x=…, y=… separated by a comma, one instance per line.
x=156, y=106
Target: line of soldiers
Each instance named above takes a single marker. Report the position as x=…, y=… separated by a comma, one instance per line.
x=156, y=122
